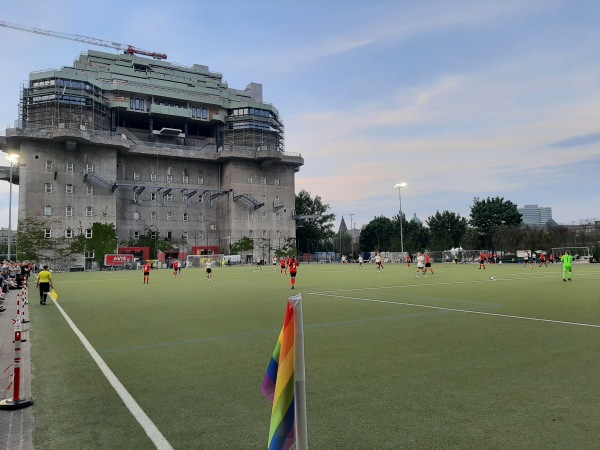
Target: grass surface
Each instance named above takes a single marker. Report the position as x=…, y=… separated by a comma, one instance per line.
x=391, y=361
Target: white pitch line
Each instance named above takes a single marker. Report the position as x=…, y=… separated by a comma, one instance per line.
x=151, y=430
x=459, y=310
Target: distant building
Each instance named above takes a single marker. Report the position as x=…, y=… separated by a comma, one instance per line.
x=535, y=215
x=343, y=227
x=416, y=220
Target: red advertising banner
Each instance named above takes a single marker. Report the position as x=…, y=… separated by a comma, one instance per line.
x=117, y=260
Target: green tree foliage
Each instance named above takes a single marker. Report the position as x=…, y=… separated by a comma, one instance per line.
x=377, y=235
x=486, y=215
x=446, y=230
x=32, y=245
x=313, y=231
x=103, y=241
x=416, y=237
x=245, y=244
x=287, y=249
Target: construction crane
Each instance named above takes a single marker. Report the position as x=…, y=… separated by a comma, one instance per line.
x=128, y=49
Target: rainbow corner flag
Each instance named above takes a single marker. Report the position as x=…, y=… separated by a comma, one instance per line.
x=280, y=383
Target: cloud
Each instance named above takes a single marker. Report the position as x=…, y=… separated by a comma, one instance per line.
x=576, y=141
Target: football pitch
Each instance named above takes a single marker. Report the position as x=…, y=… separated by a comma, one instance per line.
x=456, y=360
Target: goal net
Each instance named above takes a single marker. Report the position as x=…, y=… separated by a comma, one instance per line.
x=580, y=254
x=196, y=261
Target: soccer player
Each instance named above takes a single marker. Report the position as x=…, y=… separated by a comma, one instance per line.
x=420, y=264
x=176, y=268
x=274, y=264
x=543, y=260
x=360, y=262
x=427, y=264
x=44, y=283
x=378, y=261
x=482, y=260
x=283, y=265
x=208, y=265
x=567, y=260
x=526, y=261
x=293, y=270
x=146, y=270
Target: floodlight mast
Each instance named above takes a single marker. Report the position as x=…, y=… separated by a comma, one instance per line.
x=127, y=49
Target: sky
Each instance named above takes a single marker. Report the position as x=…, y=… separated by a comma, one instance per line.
x=457, y=99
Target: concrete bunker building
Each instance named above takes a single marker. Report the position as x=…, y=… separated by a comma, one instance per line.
x=151, y=145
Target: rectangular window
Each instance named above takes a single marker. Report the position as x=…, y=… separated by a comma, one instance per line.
x=200, y=198
x=263, y=216
x=276, y=199
x=89, y=211
x=136, y=175
x=185, y=235
x=89, y=255
x=153, y=234
x=89, y=190
x=47, y=210
x=250, y=215
x=250, y=233
x=264, y=199
x=200, y=234
x=186, y=179
x=204, y=113
x=47, y=233
x=136, y=215
x=263, y=180
x=137, y=104
x=169, y=197
x=68, y=189
x=185, y=217
x=69, y=167
x=136, y=234
x=153, y=196
x=49, y=165
x=48, y=188
x=249, y=179
x=169, y=178
x=152, y=176
x=69, y=233
x=153, y=215
x=69, y=211
x=200, y=180
x=89, y=168
x=88, y=233
x=277, y=216
x=276, y=181
x=169, y=216
x=200, y=217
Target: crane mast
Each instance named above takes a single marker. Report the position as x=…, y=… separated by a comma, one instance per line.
x=128, y=49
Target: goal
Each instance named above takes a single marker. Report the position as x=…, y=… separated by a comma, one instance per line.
x=195, y=261
x=580, y=254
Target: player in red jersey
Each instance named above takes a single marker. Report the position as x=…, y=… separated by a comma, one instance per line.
x=293, y=270
x=482, y=260
x=408, y=259
x=146, y=270
x=283, y=265
x=427, y=264
x=176, y=268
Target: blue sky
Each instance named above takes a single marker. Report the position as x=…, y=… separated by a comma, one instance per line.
x=459, y=99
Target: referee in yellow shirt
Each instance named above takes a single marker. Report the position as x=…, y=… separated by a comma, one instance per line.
x=44, y=282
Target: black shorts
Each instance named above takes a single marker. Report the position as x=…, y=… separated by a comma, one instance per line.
x=293, y=274
x=44, y=288
x=427, y=264
x=208, y=270
x=146, y=274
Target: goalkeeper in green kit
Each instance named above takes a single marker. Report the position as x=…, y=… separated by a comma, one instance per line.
x=567, y=260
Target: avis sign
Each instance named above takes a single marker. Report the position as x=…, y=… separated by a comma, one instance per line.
x=117, y=260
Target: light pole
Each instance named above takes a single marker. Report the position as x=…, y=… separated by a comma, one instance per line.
x=399, y=186
x=12, y=159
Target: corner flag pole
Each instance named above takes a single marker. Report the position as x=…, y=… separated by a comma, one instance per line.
x=300, y=377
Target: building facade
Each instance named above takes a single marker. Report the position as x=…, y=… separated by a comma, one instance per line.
x=535, y=215
x=151, y=146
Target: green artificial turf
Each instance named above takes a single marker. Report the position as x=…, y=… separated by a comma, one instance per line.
x=383, y=371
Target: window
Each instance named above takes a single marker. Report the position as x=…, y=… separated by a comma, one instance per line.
x=200, y=217
x=153, y=196
x=68, y=189
x=264, y=199
x=69, y=211
x=69, y=167
x=185, y=217
x=265, y=234
x=89, y=255
x=204, y=113
x=263, y=180
x=49, y=165
x=153, y=215
x=250, y=215
x=276, y=181
x=89, y=168
x=276, y=199
x=89, y=190
x=169, y=197
x=88, y=233
x=251, y=233
x=47, y=233
x=136, y=234
x=152, y=176
x=153, y=234
x=200, y=198
x=47, y=210
x=136, y=215
x=200, y=234
x=136, y=175
x=169, y=216
x=169, y=235
x=263, y=216
x=277, y=216
x=200, y=180
x=186, y=179
x=169, y=178
x=249, y=179
x=69, y=233
x=185, y=235
x=48, y=188
x=89, y=211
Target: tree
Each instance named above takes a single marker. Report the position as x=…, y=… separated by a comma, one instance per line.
x=32, y=243
x=103, y=242
x=491, y=213
x=377, y=234
x=314, y=230
x=245, y=244
x=446, y=230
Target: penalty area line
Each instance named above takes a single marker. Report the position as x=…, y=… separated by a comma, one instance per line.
x=467, y=311
x=151, y=430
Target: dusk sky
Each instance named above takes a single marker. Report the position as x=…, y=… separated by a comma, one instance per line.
x=458, y=99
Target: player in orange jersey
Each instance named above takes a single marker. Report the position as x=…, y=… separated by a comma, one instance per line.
x=293, y=270
x=146, y=270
